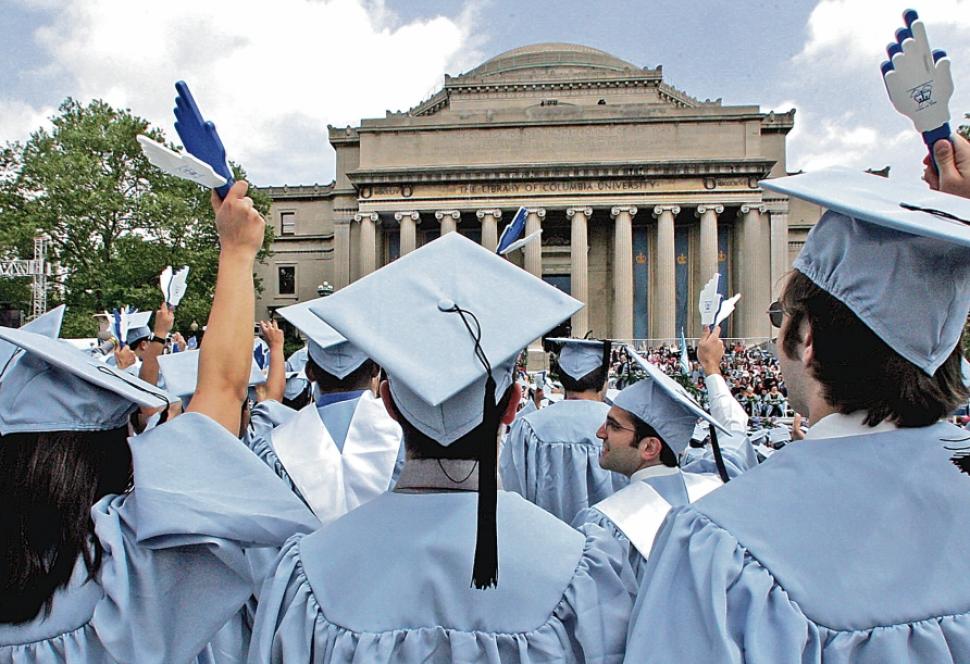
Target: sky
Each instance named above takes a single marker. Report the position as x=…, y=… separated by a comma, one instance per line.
x=273, y=75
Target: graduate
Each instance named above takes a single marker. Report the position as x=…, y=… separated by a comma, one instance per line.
x=860, y=555
x=645, y=435
x=551, y=455
x=445, y=567
x=118, y=549
x=342, y=450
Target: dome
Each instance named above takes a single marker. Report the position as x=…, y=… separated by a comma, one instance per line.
x=550, y=56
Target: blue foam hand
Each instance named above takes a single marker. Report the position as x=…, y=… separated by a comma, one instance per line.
x=513, y=231
x=199, y=136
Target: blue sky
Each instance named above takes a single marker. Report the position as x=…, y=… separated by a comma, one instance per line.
x=273, y=75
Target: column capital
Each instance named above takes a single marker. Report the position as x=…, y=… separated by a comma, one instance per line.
x=539, y=212
x=413, y=215
x=585, y=211
x=753, y=207
x=454, y=214
x=660, y=209
x=496, y=214
x=716, y=208
x=373, y=216
x=617, y=211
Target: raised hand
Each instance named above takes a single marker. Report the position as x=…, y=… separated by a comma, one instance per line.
x=164, y=321
x=240, y=226
x=200, y=137
x=918, y=81
x=272, y=334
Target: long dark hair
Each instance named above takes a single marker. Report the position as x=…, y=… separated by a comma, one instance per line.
x=48, y=484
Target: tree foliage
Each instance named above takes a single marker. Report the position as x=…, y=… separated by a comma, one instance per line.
x=114, y=221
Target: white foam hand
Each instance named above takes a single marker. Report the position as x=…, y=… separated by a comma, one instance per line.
x=727, y=308
x=177, y=286
x=710, y=300
x=180, y=164
x=518, y=244
x=917, y=79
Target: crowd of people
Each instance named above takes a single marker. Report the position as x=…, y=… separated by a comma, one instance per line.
x=752, y=373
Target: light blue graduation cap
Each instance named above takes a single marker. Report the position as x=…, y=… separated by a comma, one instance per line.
x=328, y=349
x=138, y=327
x=56, y=387
x=447, y=322
x=896, y=253
x=180, y=372
x=47, y=324
x=419, y=318
x=664, y=404
x=578, y=357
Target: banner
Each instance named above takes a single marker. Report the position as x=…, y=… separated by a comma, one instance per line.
x=641, y=283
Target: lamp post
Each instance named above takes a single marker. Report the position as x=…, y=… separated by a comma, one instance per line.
x=325, y=289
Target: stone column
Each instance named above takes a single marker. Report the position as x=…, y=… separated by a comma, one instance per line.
x=533, y=250
x=368, y=241
x=489, y=219
x=779, y=251
x=623, y=271
x=409, y=237
x=666, y=298
x=578, y=271
x=708, y=264
x=449, y=220
x=754, y=257
x=341, y=253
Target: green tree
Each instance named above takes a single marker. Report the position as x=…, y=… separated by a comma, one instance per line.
x=113, y=219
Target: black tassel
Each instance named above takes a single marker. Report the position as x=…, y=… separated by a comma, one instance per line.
x=718, y=459
x=485, y=571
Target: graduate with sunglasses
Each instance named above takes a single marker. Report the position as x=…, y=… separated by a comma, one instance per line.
x=860, y=554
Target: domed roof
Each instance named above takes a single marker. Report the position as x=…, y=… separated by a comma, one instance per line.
x=550, y=56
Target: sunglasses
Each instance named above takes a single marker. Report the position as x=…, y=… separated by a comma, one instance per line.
x=776, y=314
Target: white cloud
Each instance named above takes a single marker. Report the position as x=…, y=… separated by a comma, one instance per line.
x=18, y=119
x=270, y=75
x=844, y=116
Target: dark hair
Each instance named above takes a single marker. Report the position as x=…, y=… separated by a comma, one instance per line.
x=420, y=446
x=643, y=430
x=48, y=484
x=594, y=380
x=359, y=378
x=859, y=371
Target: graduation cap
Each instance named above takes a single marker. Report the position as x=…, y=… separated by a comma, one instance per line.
x=138, y=327
x=578, y=357
x=447, y=322
x=896, y=253
x=47, y=324
x=671, y=410
x=180, y=372
x=328, y=349
x=56, y=387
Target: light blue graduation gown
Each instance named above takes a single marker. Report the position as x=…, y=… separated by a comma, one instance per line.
x=173, y=571
x=849, y=549
x=551, y=458
x=390, y=582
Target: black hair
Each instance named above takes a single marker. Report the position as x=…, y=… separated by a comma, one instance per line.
x=858, y=371
x=421, y=446
x=357, y=379
x=48, y=484
x=643, y=430
x=594, y=380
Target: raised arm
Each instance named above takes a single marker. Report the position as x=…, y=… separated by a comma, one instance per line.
x=276, y=380
x=226, y=354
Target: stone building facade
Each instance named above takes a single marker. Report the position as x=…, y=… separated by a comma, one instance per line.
x=642, y=192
